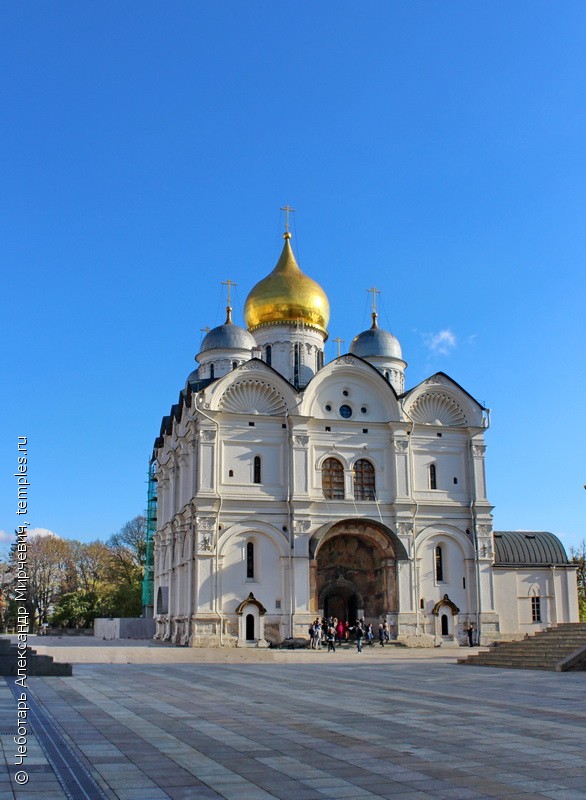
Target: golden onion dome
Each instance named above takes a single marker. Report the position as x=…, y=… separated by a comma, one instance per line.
x=287, y=295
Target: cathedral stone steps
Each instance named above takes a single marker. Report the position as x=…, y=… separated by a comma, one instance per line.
x=558, y=648
x=41, y=665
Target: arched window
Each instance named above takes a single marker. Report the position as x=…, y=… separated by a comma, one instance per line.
x=535, y=608
x=296, y=363
x=234, y=364
x=432, y=477
x=212, y=371
x=269, y=354
x=363, y=480
x=439, y=564
x=332, y=479
x=256, y=474
x=250, y=559
x=320, y=359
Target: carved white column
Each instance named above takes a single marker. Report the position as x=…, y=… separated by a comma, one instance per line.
x=402, y=488
x=478, y=477
x=207, y=463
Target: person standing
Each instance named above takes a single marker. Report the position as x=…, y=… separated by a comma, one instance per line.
x=381, y=635
x=369, y=635
x=317, y=632
x=470, y=632
x=331, y=639
x=340, y=632
x=359, y=633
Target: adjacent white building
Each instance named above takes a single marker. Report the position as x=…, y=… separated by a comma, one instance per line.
x=289, y=488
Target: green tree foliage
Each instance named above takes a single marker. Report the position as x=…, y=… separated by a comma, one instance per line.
x=578, y=556
x=71, y=583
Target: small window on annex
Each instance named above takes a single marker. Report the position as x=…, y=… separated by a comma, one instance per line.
x=439, y=564
x=536, y=609
x=269, y=354
x=432, y=477
x=364, y=484
x=250, y=559
x=256, y=472
x=332, y=479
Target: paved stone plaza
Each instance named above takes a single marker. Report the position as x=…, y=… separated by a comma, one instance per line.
x=402, y=724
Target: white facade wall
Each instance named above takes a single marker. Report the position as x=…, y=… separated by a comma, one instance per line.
x=210, y=506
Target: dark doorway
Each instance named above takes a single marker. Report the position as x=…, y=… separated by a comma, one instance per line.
x=250, y=628
x=351, y=575
x=352, y=608
x=335, y=605
x=445, y=627
x=342, y=607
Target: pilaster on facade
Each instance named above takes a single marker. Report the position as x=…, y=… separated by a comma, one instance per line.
x=478, y=477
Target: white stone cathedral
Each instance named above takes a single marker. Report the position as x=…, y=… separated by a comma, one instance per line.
x=289, y=488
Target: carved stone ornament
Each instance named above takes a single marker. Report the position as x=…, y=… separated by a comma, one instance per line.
x=401, y=445
x=301, y=525
x=437, y=408
x=479, y=449
x=253, y=397
x=405, y=528
x=204, y=523
x=253, y=365
x=437, y=378
x=485, y=530
x=208, y=436
x=345, y=360
x=301, y=441
x=205, y=543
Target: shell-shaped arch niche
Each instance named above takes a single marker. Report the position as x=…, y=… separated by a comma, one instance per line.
x=437, y=408
x=253, y=397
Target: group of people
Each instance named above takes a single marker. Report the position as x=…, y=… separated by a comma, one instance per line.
x=335, y=631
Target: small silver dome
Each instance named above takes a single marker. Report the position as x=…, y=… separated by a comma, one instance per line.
x=376, y=342
x=228, y=337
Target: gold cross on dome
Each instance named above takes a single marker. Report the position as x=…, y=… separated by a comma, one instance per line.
x=229, y=284
x=288, y=210
x=338, y=341
x=373, y=291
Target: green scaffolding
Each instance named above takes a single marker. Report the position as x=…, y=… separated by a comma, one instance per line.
x=151, y=527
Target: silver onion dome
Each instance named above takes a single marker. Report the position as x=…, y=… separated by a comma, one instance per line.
x=228, y=337
x=375, y=342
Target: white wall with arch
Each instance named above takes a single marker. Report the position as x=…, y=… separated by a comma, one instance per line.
x=267, y=581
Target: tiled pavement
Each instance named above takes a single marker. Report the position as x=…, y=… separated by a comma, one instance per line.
x=359, y=727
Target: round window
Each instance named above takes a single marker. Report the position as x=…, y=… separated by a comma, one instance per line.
x=345, y=412
x=328, y=408
x=363, y=409
x=345, y=392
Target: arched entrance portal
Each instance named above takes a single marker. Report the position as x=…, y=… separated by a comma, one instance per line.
x=355, y=570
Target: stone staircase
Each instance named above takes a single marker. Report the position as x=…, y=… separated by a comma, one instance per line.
x=560, y=648
x=35, y=664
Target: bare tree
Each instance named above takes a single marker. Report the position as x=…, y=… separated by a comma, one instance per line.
x=49, y=564
x=578, y=556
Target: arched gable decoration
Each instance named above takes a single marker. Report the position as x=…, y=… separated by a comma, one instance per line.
x=374, y=389
x=445, y=601
x=438, y=408
x=253, y=397
x=251, y=600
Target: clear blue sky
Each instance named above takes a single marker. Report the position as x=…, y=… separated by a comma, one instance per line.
x=436, y=150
